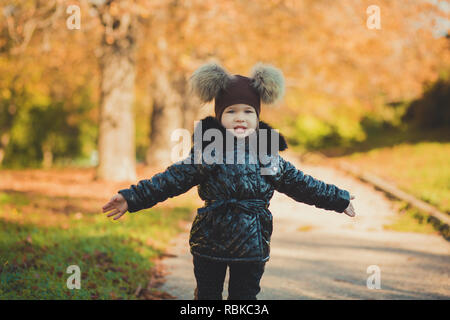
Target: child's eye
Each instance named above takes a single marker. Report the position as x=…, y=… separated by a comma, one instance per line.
x=230, y=111
x=249, y=111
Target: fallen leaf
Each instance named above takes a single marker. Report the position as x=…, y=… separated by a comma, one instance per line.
x=92, y=285
x=138, y=290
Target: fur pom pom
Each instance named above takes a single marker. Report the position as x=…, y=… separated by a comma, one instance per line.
x=269, y=82
x=208, y=80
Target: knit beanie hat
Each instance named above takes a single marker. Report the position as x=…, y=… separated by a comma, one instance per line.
x=212, y=81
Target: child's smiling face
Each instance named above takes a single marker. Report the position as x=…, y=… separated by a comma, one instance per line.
x=240, y=119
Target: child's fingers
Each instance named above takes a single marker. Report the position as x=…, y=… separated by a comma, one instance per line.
x=350, y=211
x=113, y=213
x=119, y=215
x=109, y=208
x=110, y=203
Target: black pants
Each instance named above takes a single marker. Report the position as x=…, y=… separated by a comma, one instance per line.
x=210, y=276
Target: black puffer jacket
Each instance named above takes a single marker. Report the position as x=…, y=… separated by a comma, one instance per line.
x=235, y=224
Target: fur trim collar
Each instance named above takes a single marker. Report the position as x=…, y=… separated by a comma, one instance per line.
x=211, y=122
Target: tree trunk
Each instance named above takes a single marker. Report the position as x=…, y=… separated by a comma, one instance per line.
x=47, y=161
x=192, y=111
x=117, y=159
x=166, y=117
x=2, y=155
x=4, y=140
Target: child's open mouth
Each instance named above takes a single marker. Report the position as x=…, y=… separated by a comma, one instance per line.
x=240, y=129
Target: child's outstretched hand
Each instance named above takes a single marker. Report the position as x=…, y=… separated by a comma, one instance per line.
x=350, y=211
x=119, y=204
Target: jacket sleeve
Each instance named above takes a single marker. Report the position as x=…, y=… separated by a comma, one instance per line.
x=177, y=179
x=304, y=188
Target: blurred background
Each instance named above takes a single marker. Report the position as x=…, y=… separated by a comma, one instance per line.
x=90, y=92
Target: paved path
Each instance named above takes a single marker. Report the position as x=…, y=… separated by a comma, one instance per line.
x=328, y=257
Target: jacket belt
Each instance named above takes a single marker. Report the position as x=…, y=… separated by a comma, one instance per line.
x=247, y=205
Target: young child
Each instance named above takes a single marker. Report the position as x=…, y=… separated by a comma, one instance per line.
x=234, y=227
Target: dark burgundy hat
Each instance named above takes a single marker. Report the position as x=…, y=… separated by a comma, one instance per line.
x=239, y=90
x=212, y=81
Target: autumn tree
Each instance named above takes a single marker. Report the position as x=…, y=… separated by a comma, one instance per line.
x=115, y=21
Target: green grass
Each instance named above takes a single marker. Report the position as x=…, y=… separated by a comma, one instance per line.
x=411, y=219
x=16, y=198
x=115, y=257
x=421, y=169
